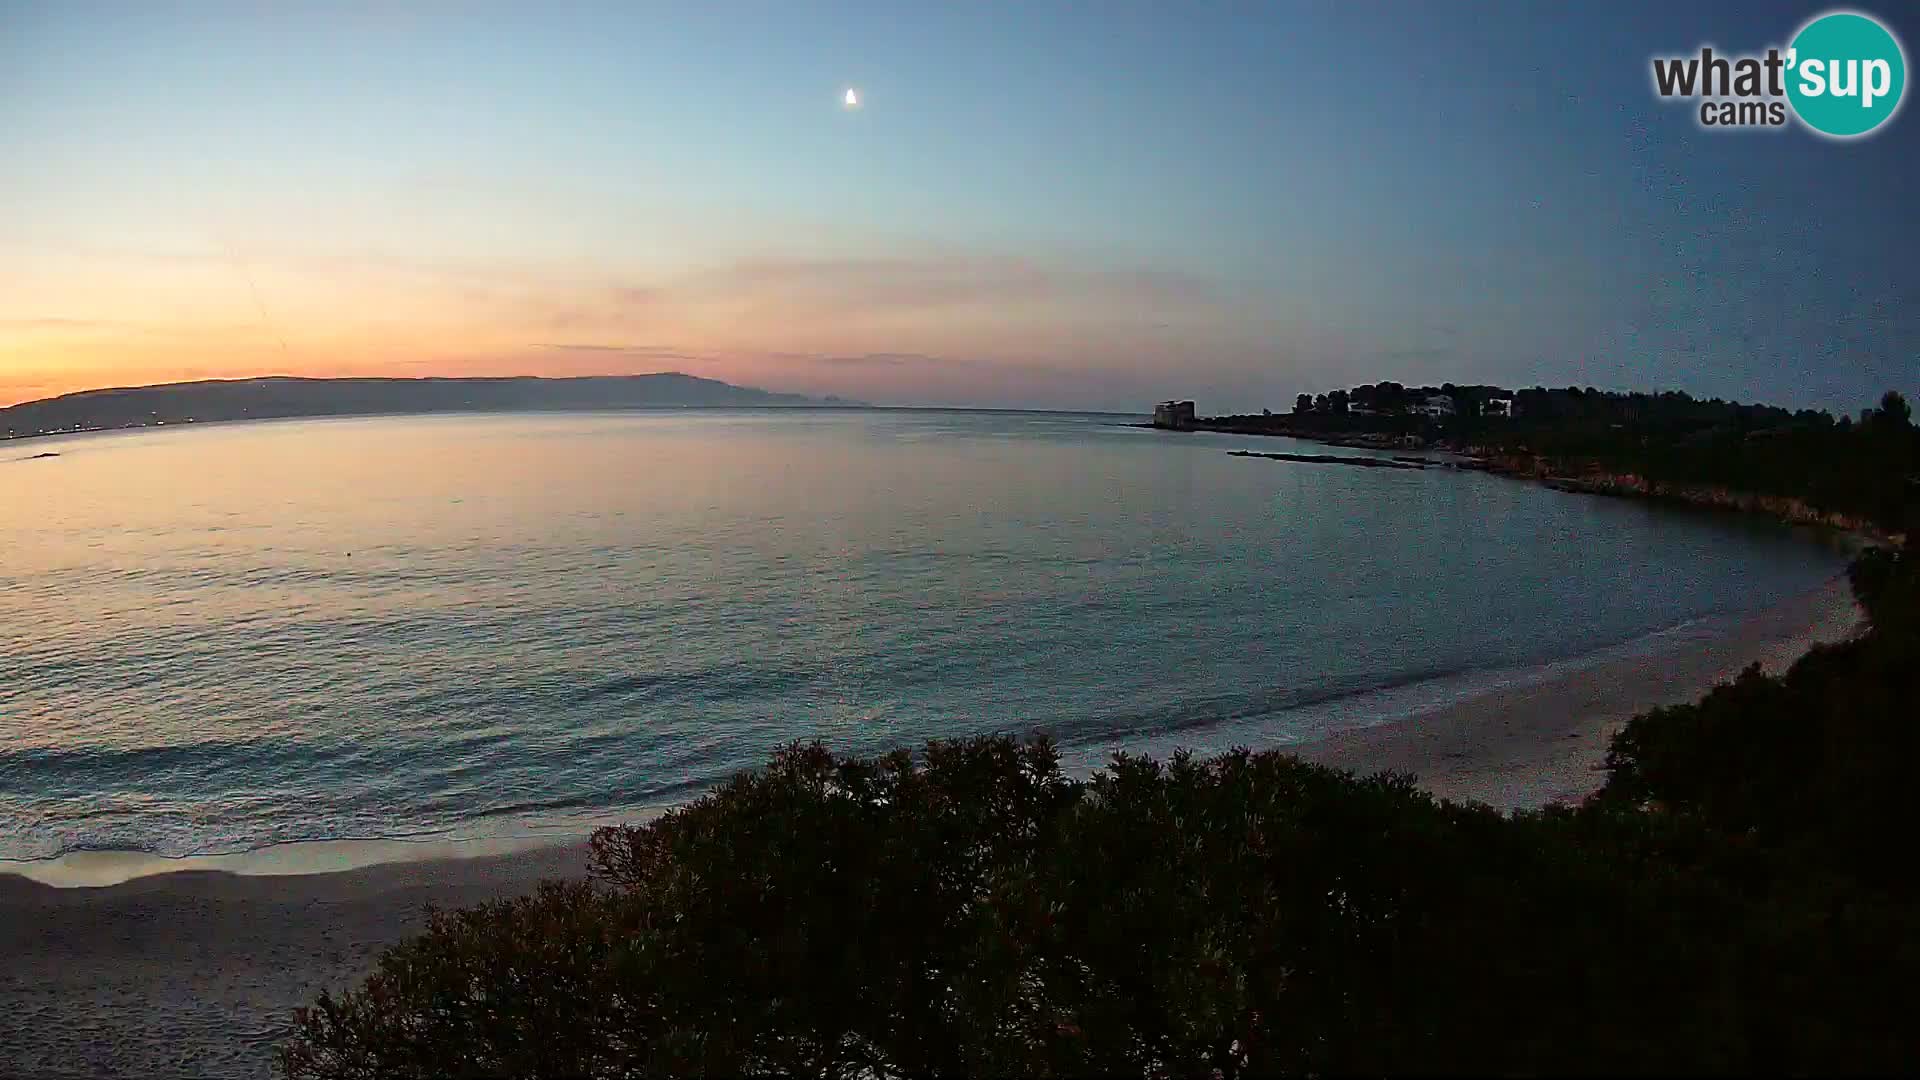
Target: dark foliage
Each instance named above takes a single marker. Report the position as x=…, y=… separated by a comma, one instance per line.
x=1869, y=470
x=1801, y=782
x=1740, y=898
x=1812, y=765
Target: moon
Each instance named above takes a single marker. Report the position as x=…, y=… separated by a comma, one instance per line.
x=852, y=99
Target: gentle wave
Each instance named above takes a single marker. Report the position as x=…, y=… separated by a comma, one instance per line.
x=247, y=635
x=1083, y=745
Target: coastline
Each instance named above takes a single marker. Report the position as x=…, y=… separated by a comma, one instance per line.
x=95, y=986
x=1526, y=746
x=97, y=869
x=823, y=406
x=197, y=973
x=1539, y=470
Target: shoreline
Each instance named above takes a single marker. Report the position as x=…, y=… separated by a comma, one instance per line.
x=1526, y=746
x=1526, y=468
x=196, y=973
x=196, y=970
x=106, y=868
x=837, y=406
x=1708, y=649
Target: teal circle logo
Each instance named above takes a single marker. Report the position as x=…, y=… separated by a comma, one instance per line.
x=1846, y=74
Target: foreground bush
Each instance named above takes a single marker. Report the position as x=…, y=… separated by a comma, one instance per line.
x=1813, y=766
x=1740, y=898
x=981, y=914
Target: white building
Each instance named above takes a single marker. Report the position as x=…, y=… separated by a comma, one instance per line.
x=1177, y=415
x=1500, y=406
x=1438, y=406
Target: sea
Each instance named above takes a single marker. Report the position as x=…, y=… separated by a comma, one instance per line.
x=221, y=637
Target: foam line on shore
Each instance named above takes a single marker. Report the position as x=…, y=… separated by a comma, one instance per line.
x=205, y=964
x=98, y=869
x=1512, y=738
x=1541, y=742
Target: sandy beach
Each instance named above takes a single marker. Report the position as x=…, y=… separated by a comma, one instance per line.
x=196, y=972
x=1545, y=742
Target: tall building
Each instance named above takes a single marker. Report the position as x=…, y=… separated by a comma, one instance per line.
x=1177, y=415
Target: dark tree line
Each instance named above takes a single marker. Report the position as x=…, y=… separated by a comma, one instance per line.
x=1741, y=897
x=1866, y=467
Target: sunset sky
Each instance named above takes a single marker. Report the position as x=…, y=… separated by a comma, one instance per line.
x=1088, y=205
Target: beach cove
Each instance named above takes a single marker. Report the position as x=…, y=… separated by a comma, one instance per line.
x=197, y=972
x=185, y=952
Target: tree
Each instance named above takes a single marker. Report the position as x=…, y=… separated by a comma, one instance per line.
x=1303, y=404
x=1894, y=411
x=1812, y=763
x=1808, y=464
x=1739, y=898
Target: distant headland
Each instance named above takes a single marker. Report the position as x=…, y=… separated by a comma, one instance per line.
x=282, y=397
x=1860, y=474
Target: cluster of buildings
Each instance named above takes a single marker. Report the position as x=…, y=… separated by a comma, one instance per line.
x=1179, y=415
x=1441, y=407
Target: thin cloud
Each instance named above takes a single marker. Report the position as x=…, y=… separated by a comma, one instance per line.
x=886, y=359
x=1425, y=354
x=944, y=281
x=649, y=352
x=839, y=360
x=116, y=329
x=65, y=324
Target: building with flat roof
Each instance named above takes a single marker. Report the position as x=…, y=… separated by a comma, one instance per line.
x=1176, y=415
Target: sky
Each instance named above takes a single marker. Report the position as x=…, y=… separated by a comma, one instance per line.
x=1086, y=205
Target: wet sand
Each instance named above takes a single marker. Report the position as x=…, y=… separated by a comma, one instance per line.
x=196, y=972
x=1531, y=745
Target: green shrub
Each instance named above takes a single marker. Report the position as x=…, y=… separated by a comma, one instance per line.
x=982, y=914
x=1812, y=765
x=1739, y=898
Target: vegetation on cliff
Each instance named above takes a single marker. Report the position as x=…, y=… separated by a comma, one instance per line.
x=1805, y=465
x=1739, y=897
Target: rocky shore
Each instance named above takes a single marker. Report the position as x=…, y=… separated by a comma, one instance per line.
x=1557, y=475
x=1331, y=459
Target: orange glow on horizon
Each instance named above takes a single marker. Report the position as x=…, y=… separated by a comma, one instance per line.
x=936, y=327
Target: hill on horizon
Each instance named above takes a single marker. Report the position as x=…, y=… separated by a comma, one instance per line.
x=282, y=396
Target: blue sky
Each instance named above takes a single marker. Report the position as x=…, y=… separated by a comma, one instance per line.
x=1063, y=205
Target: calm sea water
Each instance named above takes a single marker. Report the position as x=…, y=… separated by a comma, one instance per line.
x=225, y=637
